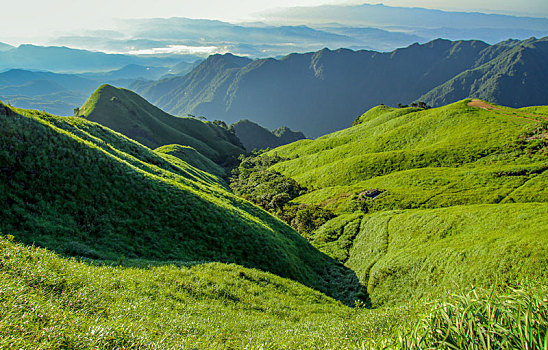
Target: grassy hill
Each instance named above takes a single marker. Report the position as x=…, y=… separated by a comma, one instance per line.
x=81, y=189
x=50, y=301
x=430, y=200
x=147, y=245
x=126, y=112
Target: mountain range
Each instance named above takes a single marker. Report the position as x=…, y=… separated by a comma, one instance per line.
x=301, y=29
x=324, y=91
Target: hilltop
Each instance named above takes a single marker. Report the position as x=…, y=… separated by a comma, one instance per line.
x=81, y=189
x=421, y=201
x=126, y=112
x=320, y=92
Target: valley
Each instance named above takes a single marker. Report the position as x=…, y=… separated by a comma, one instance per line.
x=228, y=175
x=404, y=206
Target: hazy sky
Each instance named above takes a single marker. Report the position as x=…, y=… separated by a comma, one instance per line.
x=38, y=21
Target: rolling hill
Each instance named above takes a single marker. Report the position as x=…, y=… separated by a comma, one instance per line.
x=126, y=112
x=147, y=244
x=324, y=91
x=431, y=200
x=81, y=189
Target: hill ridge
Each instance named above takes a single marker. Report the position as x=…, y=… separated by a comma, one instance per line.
x=130, y=114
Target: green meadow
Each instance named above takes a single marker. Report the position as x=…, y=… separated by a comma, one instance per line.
x=412, y=229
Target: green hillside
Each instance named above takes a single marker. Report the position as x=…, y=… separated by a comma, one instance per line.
x=47, y=301
x=126, y=112
x=428, y=200
x=189, y=155
x=146, y=244
x=80, y=189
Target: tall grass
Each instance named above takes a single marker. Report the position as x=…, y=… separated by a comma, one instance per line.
x=518, y=320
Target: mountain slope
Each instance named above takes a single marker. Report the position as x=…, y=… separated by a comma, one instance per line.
x=128, y=113
x=83, y=190
x=430, y=200
x=315, y=92
x=324, y=91
x=515, y=77
x=254, y=136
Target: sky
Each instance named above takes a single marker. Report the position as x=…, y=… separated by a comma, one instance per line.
x=37, y=21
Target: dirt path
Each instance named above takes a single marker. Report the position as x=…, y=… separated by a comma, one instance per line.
x=487, y=106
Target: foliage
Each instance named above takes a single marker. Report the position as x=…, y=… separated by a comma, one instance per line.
x=273, y=191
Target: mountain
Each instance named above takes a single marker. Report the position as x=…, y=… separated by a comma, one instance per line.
x=314, y=92
x=58, y=93
x=128, y=113
x=516, y=77
x=81, y=189
x=304, y=29
x=286, y=135
x=68, y=60
x=380, y=16
x=324, y=91
x=422, y=201
x=201, y=82
x=254, y=136
x=5, y=47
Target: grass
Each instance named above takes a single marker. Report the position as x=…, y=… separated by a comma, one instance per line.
x=474, y=321
x=423, y=253
x=462, y=198
x=191, y=156
x=80, y=189
x=51, y=302
x=153, y=252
